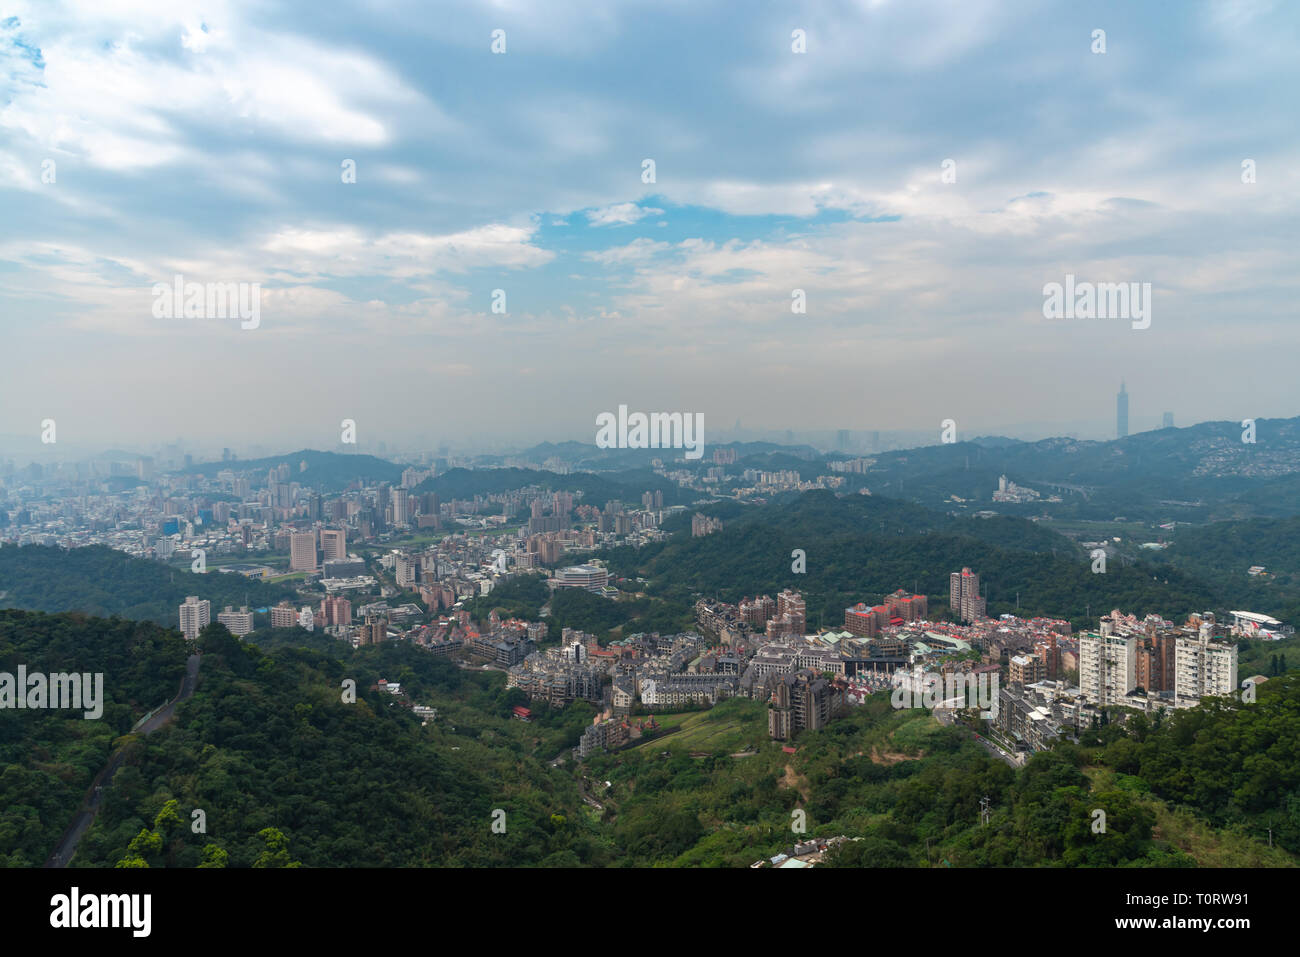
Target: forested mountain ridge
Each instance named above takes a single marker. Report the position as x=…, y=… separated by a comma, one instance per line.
x=858, y=549
x=49, y=757
x=99, y=580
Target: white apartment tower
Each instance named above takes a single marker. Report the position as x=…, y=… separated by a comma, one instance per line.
x=1203, y=667
x=1107, y=667
x=196, y=614
x=239, y=623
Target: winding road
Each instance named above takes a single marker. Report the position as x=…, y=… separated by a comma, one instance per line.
x=90, y=803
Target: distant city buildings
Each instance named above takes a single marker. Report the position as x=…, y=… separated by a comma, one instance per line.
x=702, y=525
x=334, y=544
x=593, y=578
x=239, y=623
x=284, y=615
x=802, y=701
x=195, y=614
x=302, y=551
x=964, y=595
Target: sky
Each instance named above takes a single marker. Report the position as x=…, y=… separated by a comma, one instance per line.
x=921, y=171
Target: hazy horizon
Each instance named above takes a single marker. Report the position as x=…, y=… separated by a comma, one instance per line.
x=919, y=172
x=823, y=439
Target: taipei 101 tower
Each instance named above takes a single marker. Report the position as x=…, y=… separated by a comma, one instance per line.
x=1121, y=412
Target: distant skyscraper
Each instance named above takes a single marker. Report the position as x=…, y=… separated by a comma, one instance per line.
x=1121, y=413
x=842, y=439
x=1168, y=422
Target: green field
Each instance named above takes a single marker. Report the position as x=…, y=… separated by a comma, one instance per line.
x=729, y=727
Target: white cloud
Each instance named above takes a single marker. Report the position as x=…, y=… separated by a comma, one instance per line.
x=620, y=214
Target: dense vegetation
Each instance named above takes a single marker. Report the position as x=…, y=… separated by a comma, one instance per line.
x=627, y=486
x=1227, y=550
x=99, y=580
x=1199, y=788
x=49, y=757
x=858, y=548
x=286, y=773
x=277, y=761
x=576, y=608
x=522, y=597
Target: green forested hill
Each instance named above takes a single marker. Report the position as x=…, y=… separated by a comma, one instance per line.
x=99, y=580
x=288, y=773
x=268, y=742
x=857, y=550
x=49, y=757
x=1226, y=550
x=1198, y=788
x=626, y=486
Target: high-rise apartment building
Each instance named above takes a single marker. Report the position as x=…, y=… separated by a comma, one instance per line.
x=1107, y=667
x=405, y=569
x=283, y=615
x=239, y=623
x=1203, y=667
x=302, y=551
x=964, y=595
x=1155, y=662
x=802, y=701
x=335, y=610
x=758, y=610
x=195, y=615
x=374, y=631
x=401, y=514
x=790, y=604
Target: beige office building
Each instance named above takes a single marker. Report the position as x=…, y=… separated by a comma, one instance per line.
x=302, y=552
x=334, y=543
